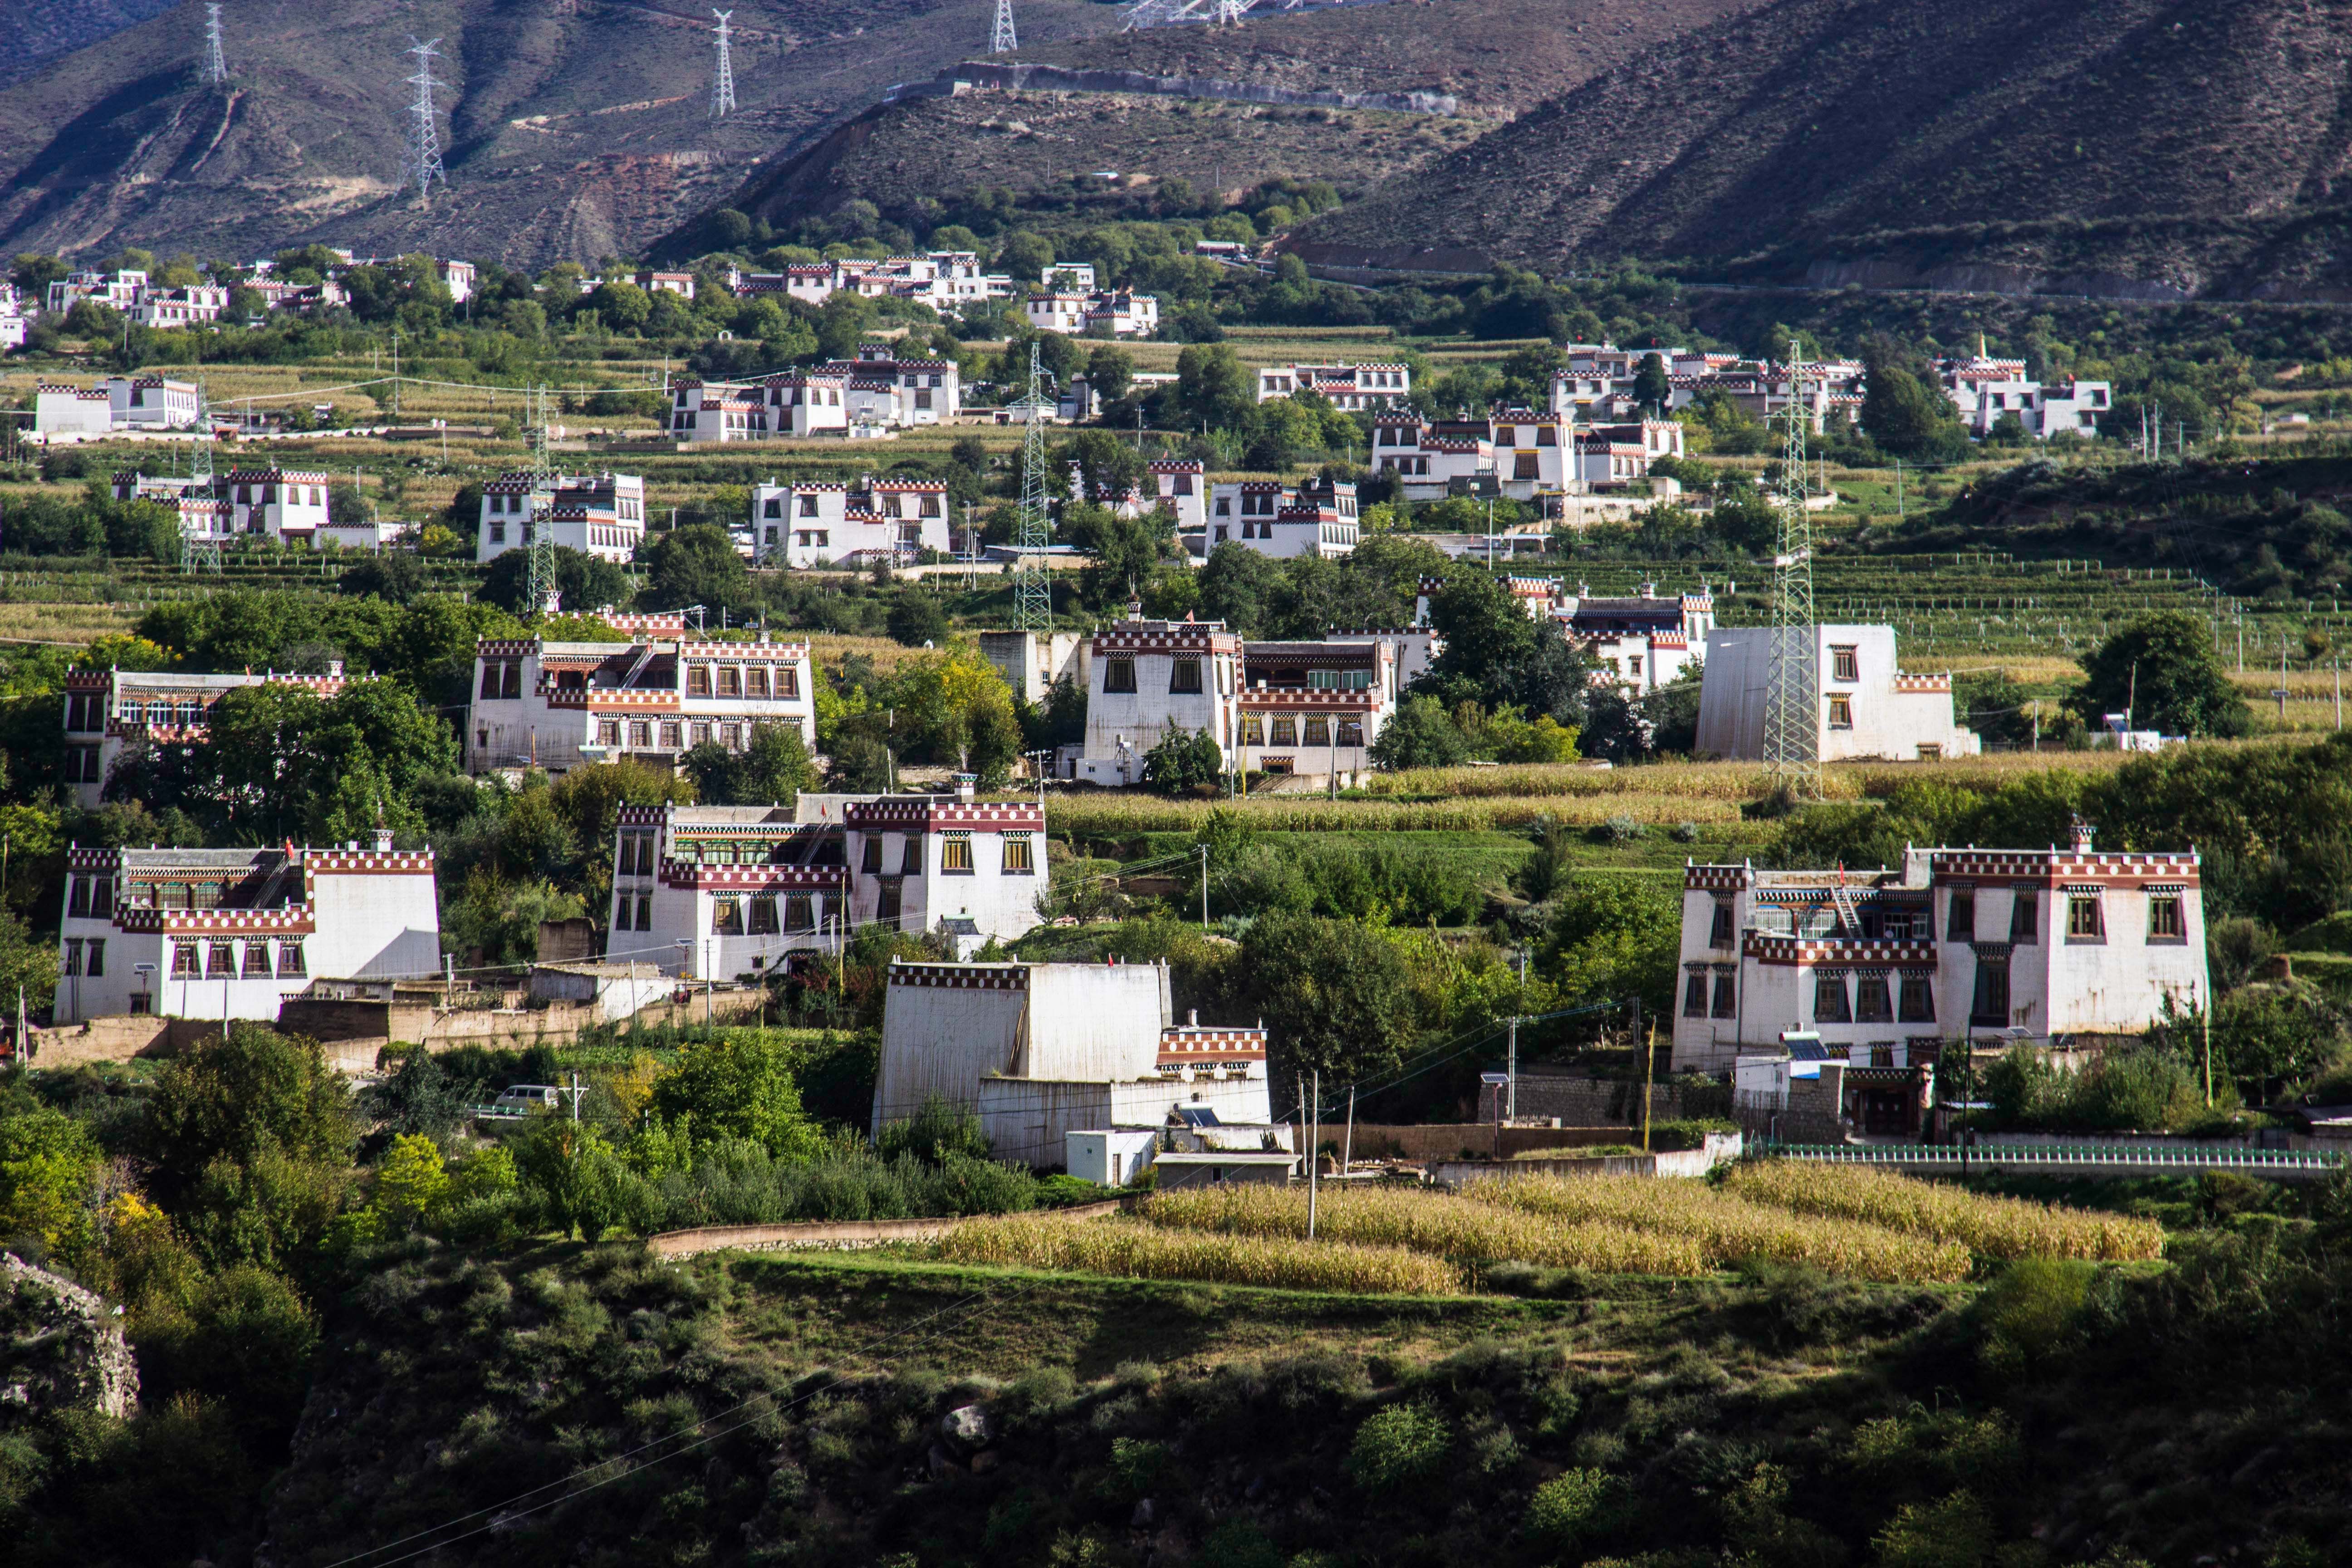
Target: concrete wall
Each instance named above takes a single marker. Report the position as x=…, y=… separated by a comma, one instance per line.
x=1447, y=1140
x=1099, y=1021
x=1030, y=1119
x=1686, y=1164
x=944, y=1041
x=1890, y=719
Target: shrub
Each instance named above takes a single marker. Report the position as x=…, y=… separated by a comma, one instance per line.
x=1397, y=1447
x=2029, y=1316
x=1955, y=1532
x=1575, y=1506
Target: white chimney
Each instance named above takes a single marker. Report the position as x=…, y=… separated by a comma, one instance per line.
x=963, y=786
x=383, y=840
x=2082, y=836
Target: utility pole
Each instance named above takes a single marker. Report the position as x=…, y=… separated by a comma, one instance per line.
x=1348, y=1148
x=1204, y=886
x=1511, y=1068
x=1649, y=1073
x=1314, y=1146
x=573, y=1092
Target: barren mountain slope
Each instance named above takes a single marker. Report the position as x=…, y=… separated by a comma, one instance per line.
x=2155, y=147
x=1495, y=57
x=570, y=129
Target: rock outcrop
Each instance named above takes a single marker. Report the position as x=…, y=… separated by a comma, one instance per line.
x=60, y=1347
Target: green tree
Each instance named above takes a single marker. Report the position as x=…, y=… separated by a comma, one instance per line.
x=1183, y=762
x=1335, y=996
x=1616, y=937
x=256, y=1092
x=1908, y=418
x=2163, y=669
x=49, y=1180
x=736, y=1085
x=1421, y=735
x=1238, y=587
x=1214, y=388
x=917, y=619
x=621, y=306
x=585, y=582
x=770, y=771
x=696, y=563
x=1651, y=388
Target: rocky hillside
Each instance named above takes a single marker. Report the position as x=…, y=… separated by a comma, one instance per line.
x=569, y=130
x=2136, y=147
x=1491, y=58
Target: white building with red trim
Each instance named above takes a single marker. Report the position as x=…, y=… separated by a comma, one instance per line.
x=1642, y=641
x=1433, y=459
x=1354, y=387
x=109, y=711
x=231, y=933
x=725, y=891
x=1985, y=389
x=813, y=522
x=1146, y=679
x=1316, y=517
x=944, y=280
x=1316, y=706
x=1890, y=968
x=558, y=705
x=1039, y=1050
x=290, y=505
x=1871, y=708
x=169, y=308
x=603, y=515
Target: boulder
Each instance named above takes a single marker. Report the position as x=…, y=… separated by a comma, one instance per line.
x=968, y=1426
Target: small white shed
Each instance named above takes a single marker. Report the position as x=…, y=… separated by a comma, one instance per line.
x=1110, y=1156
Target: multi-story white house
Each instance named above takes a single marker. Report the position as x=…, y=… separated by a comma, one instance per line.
x=1620, y=452
x=1889, y=969
x=1433, y=460
x=1038, y=1051
x=168, y=307
x=110, y=711
x=1534, y=452
x=117, y=403
x=720, y=891
x=601, y=515
x=943, y=280
x=1316, y=706
x=231, y=933
x=1180, y=487
x=557, y=705
x=1119, y=312
x=285, y=504
x=1318, y=517
x=117, y=290
x=810, y=522
x=1870, y=707
x=872, y=393
x=1353, y=387
x=1985, y=389
x=1640, y=643
x=1146, y=678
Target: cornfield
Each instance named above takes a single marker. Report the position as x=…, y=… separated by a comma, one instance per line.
x=1134, y=1251
x=1724, y=1229
x=1425, y=1222
x=1994, y=1227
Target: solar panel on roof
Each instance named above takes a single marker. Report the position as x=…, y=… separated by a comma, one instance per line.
x=1808, y=1051
x=1196, y=1116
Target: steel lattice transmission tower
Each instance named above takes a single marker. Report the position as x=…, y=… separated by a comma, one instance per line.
x=424, y=140
x=539, y=581
x=1032, y=574
x=216, y=67
x=722, y=85
x=1792, y=712
x=201, y=554
x=1002, y=41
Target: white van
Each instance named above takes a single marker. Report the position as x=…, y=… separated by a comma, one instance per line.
x=526, y=1100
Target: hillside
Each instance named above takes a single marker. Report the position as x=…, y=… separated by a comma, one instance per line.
x=2136, y=148
x=1492, y=56
x=37, y=30
x=569, y=131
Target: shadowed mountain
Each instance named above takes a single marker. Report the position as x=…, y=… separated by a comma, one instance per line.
x=2148, y=149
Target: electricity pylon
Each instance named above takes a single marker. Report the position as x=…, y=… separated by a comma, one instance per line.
x=1792, y=712
x=545, y=595
x=722, y=85
x=1033, y=576
x=216, y=67
x=1001, y=40
x=424, y=138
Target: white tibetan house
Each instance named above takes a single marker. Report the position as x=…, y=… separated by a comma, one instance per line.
x=1040, y=1050
x=1871, y=710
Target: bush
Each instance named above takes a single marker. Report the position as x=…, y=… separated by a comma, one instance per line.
x=2027, y=1319
x=1397, y=1447
x=1575, y=1506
